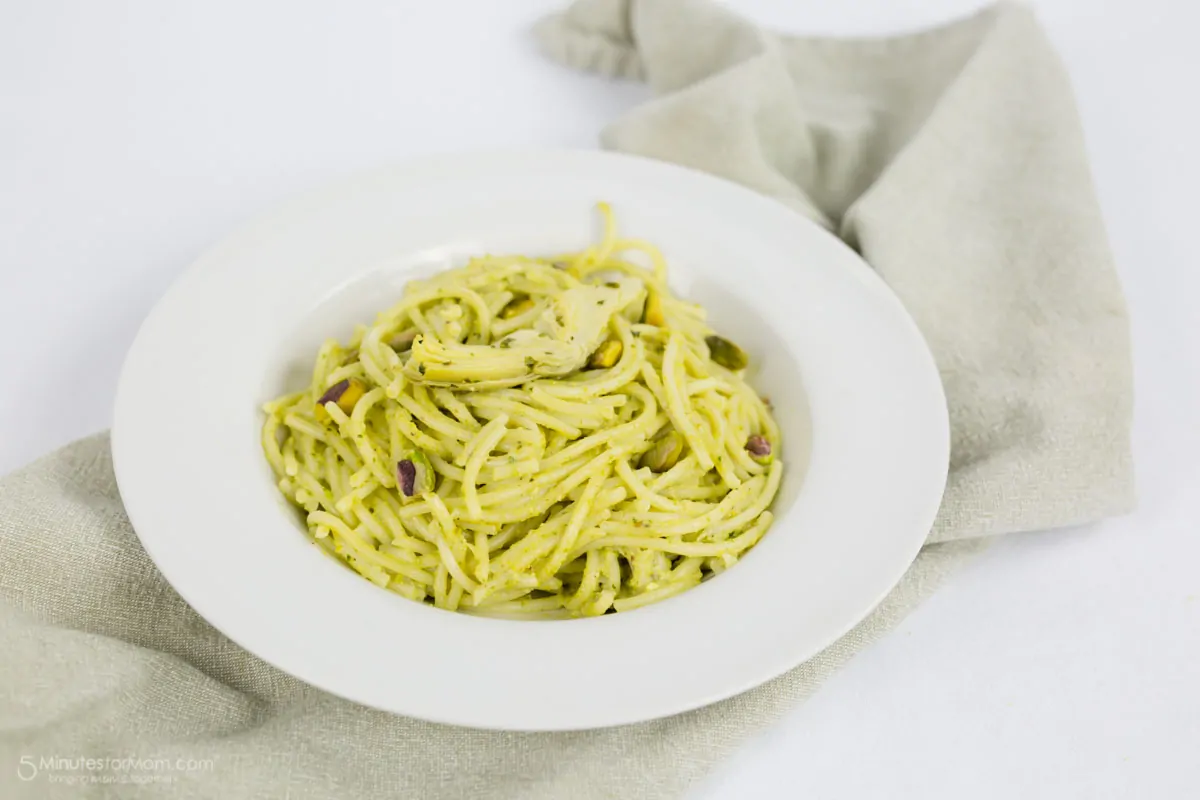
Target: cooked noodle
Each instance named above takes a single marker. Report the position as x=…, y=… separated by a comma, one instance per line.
x=533, y=437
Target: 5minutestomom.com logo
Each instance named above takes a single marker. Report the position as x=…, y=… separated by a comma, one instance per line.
x=124, y=769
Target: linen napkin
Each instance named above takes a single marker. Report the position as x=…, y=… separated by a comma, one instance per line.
x=951, y=159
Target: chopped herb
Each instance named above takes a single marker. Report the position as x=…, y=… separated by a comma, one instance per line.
x=421, y=368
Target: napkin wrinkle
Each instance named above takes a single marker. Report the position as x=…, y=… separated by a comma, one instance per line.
x=818, y=155
x=952, y=159
x=592, y=35
x=75, y=679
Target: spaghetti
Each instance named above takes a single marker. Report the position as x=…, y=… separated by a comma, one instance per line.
x=532, y=437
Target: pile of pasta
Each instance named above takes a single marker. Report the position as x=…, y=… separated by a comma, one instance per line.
x=532, y=437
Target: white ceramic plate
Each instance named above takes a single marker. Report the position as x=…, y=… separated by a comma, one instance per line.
x=834, y=350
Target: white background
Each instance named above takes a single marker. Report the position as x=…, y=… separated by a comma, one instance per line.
x=1059, y=665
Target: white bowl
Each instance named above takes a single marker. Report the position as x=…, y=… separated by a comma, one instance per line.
x=866, y=440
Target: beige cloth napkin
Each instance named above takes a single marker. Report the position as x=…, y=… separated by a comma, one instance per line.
x=951, y=159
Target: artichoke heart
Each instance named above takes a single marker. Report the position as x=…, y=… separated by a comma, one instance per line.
x=560, y=342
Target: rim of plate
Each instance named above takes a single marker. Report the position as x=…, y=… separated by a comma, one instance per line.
x=198, y=492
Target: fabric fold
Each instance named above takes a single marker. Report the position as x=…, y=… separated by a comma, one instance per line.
x=953, y=161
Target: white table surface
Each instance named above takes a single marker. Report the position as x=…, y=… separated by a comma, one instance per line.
x=1059, y=665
